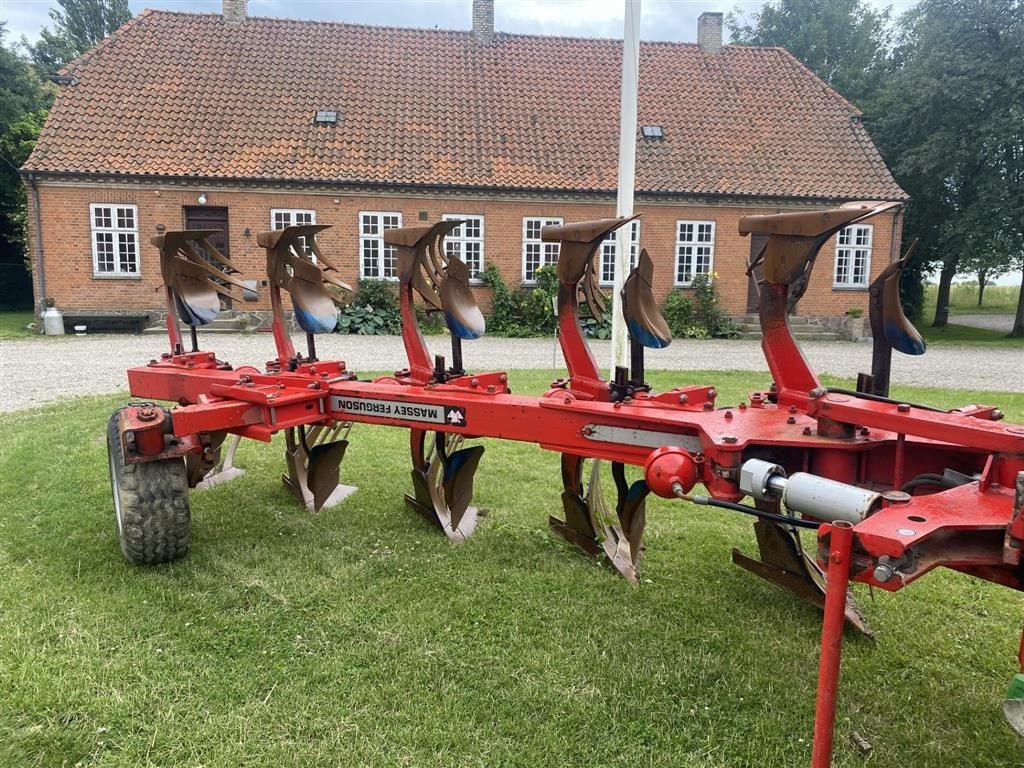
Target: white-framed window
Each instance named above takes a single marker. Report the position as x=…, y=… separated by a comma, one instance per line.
x=115, y=240
x=610, y=245
x=695, y=249
x=376, y=259
x=289, y=217
x=853, y=256
x=466, y=242
x=537, y=253
x=281, y=218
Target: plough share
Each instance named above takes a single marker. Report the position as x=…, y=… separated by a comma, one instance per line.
x=890, y=489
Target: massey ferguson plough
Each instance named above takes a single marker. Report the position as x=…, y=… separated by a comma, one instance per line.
x=890, y=489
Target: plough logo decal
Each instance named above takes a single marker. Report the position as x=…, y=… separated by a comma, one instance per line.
x=455, y=415
x=392, y=409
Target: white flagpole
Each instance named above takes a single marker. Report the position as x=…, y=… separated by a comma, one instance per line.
x=627, y=172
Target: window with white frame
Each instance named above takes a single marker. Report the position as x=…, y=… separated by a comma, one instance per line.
x=609, y=247
x=537, y=253
x=466, y=242
x=287, y=217
x=115, y=240
x=695, y=249
x=376, y=259
x=853, y=256
x=280, y=218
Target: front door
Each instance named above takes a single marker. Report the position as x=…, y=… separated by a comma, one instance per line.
x=753, y=294
x=210, y=217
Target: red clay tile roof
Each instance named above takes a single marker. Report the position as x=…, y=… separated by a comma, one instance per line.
x=179, y=94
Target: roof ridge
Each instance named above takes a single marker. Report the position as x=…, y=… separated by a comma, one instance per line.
x=444, y=30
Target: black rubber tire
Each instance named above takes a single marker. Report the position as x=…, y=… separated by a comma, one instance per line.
x=151, y=508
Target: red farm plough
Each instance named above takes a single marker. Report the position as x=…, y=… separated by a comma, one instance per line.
x=890, y=489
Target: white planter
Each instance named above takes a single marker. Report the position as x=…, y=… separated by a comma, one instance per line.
x=53, y=322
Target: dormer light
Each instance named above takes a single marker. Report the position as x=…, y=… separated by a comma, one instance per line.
x=653, y=132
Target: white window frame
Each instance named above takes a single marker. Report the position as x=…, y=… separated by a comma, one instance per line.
x=689, y=246
x=290, y=218
x=547, y=252
x=383, y=251
x=610, y=245
x=119, y=237
x=852, y=243
x=291, y=215
x=457, y=242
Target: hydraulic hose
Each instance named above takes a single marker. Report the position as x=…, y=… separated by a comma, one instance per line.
x=753, y=511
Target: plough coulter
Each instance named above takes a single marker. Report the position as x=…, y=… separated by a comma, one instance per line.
x=889, y=489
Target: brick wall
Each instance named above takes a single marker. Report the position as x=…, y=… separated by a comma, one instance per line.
x=68, y=245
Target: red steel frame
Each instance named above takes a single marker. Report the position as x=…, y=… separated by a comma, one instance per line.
x=878, y=444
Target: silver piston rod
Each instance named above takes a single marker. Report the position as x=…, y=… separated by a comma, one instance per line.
x=808, y=494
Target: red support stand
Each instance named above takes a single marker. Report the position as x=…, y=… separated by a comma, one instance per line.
x=840, y=552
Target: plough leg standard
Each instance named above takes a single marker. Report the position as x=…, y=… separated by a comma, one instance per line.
x=891, y=489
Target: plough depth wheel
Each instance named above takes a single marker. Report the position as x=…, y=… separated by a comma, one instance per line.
x=151, y=506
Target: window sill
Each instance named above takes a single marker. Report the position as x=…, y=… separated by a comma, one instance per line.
x=385, y=279
x=107, y=276
x=850, y=288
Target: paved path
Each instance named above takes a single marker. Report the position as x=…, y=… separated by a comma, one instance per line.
x=989, y=322
x=38, y=371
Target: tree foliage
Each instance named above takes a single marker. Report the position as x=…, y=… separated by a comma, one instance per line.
x=950, y=123
x=24, y=101
x=844, y=42
x=77, y=26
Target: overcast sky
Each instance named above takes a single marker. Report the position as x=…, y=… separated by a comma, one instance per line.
x=661, y=19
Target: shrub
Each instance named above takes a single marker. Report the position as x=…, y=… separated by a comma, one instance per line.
x=678, y=313
x=373, y=311
x=709, y=313
x=525, y=311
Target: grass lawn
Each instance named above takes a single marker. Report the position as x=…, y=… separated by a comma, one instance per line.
x=362, y=637
x=963, y=300
x=12, y=325
x=962, y=334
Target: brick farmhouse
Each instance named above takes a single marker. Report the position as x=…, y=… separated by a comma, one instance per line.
x=221, y=121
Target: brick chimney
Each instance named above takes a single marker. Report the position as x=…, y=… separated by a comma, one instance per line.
x=234, y=11
x=483, y=20
x=709, y=32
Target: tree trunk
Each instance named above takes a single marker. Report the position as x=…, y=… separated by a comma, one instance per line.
x=942, y=300
x=1018, y=323
x=981, y=285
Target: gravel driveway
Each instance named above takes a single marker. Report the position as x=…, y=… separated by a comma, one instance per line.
x=37, y=371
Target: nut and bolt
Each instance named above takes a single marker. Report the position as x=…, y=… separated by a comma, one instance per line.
x=728, y=415
x=815, y=393
x=709, y=406
x=490, y=389
x=712, y=393
x=147, y=414
x=683, y=399
x=742, y=406
x=997, y=415
x=791, y=419
x=792, y=409
x=729, y=439
x=903, y=408
x=883, y=573
x=474, y=382
x=807, y=432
